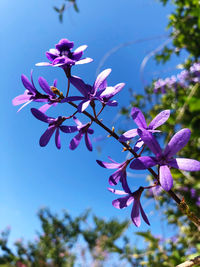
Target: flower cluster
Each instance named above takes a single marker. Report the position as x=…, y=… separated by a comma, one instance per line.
x=181, y=80
x=95, y=98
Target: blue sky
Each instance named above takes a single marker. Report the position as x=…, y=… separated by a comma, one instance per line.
x=32, y=176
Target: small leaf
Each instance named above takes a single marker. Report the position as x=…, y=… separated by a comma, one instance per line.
x=76, y=7
x=56, y=9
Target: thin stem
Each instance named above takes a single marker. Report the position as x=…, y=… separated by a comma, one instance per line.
x=66, y=118
x=102, y=108
x=68, y=74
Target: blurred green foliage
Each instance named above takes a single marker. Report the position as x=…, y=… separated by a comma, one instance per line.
x=63, y=240
x=184, y=23
x=67, y=4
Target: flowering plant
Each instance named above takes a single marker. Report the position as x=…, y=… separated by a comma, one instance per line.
x=101, y=93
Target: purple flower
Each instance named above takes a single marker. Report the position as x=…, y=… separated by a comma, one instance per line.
x=160, y=85
x=99, y=91
x=83, y=129
x=62, y=56
x=139, y=119
x=125, y=201
x=119, y=174
x=54, y=124
x=32, y=94
x=165, y=158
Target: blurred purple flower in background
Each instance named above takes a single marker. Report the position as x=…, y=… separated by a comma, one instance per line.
x=183, y=79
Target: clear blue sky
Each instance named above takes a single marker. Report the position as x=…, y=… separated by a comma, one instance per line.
x=32, y=176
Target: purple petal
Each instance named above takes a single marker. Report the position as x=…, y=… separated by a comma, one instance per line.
x=177, y=142
x=84, y=61
x=185, y=164
x=135, y=213
x=90, y=131
x=83, y=105
x=108, y=165
x=62, y=60
x=122, y=202
x=77, y=121
x=128, y=135
x=112, y=103
x=123, y=180
x=80, y=48
x=20, y=99
x=150, y=141
x=143, y=163
x=88, y=142
x=144, y=215
x=40, y=116
x=138, y=144
x=55, y=83
x=45, y=107
x=110, y=91
x=77, y=55
x=64, y=45
x=52, y=54
x=117, y=192
x=44, y=85
x=27, y=84
x=75, y=141
x=43, y=64
x=79, y=84
x=101, y=78
x=44, y=139
x=68, y=129
x=160, y=119
x=57, y=139
x=119, y=87
x=32, y=81
x=138, y=117
x=166, y=179
x=115, y=177
x=103, y=85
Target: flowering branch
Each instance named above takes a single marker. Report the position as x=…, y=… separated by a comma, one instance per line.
x=63, y=56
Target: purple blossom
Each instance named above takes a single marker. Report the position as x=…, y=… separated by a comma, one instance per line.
x=32, y=94
x=54, y=125
x=125, y=201
x=139, y=119
x=83, y=129
x=119, y=174
x=63, y=57
x=160, y=85
x=180, y=80
x=198, y=201
x=99, y=91
x=165, y=158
